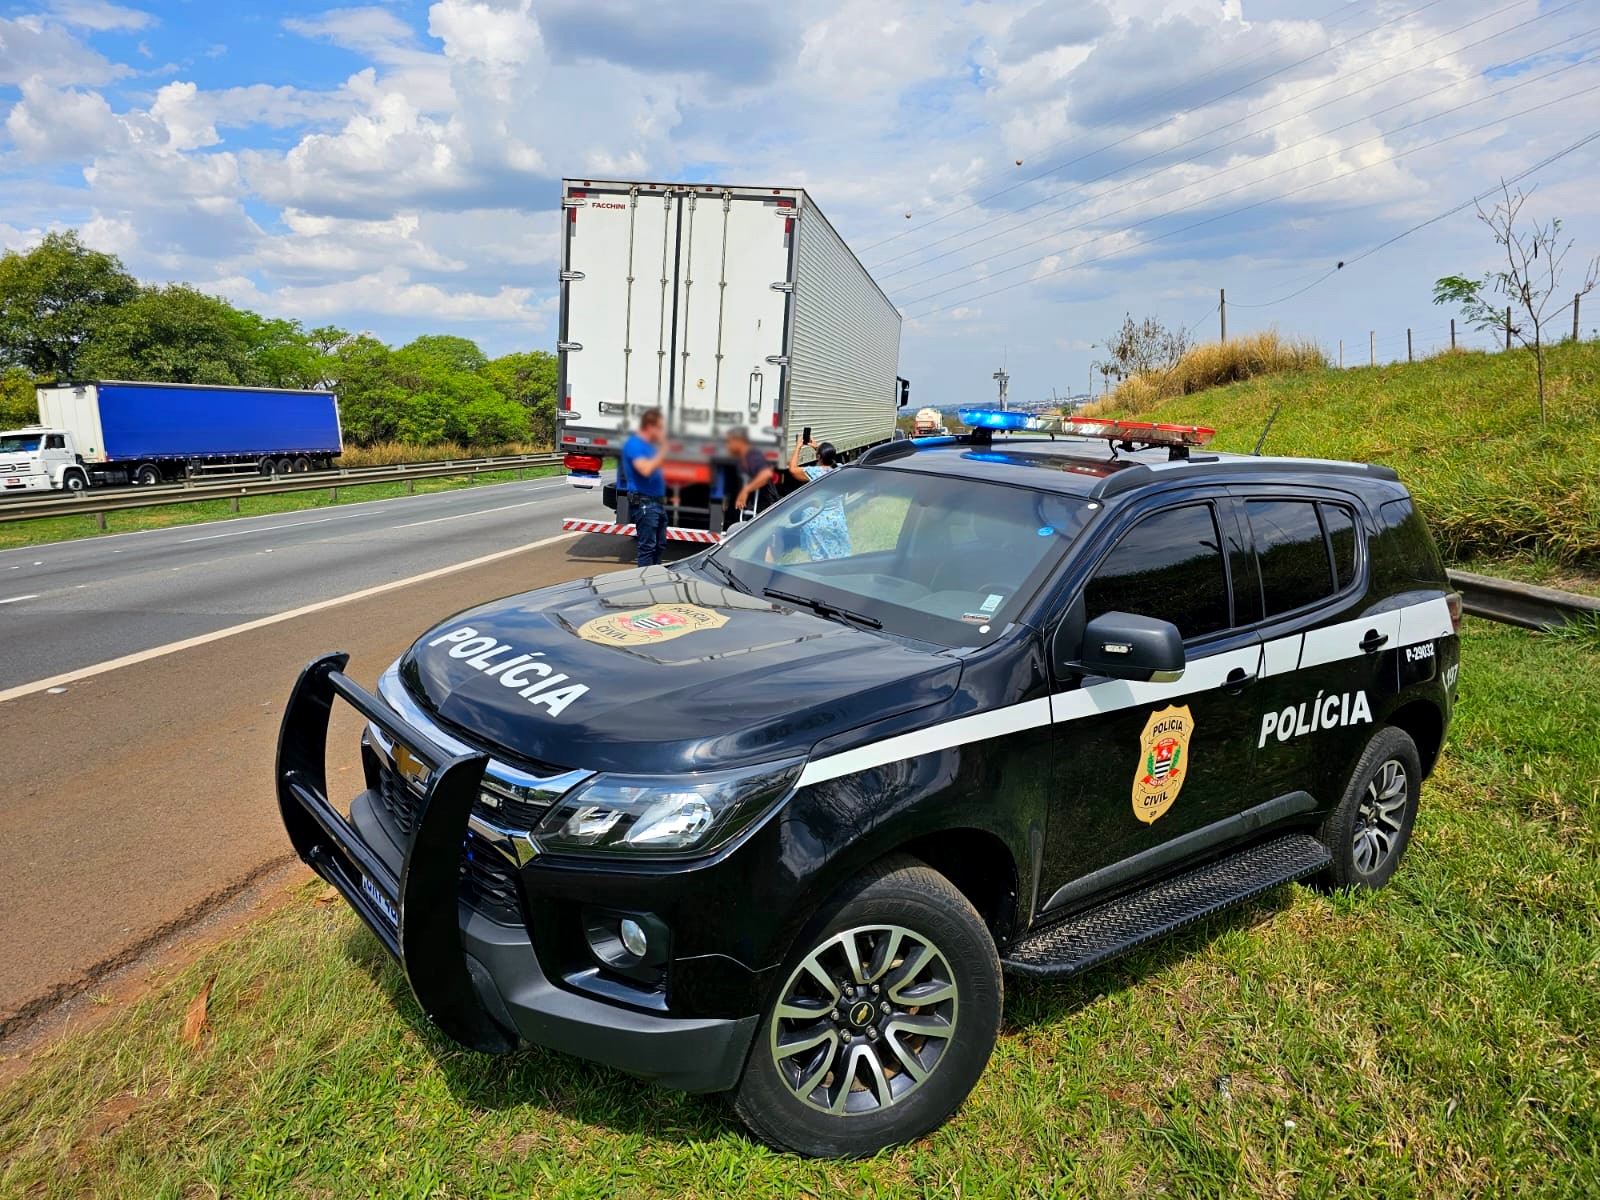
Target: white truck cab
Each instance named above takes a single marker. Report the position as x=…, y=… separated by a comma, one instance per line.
x=37, y=458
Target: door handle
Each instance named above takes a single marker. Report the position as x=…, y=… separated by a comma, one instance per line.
x=1373, y=641
x=1238, y=679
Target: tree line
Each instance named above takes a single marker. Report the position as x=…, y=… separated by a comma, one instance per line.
x=68, y=312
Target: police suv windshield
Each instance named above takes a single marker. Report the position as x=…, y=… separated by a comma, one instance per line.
x=19, y=443
x=941, y=559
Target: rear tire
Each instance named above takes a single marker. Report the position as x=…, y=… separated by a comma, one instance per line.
x=302, y=465
x=1369, y=832
x=284, y=466
x=840, y=1070
x=148, y=475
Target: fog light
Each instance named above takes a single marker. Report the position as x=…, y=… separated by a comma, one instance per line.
x=632, y=935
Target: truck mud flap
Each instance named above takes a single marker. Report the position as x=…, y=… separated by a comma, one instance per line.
x=415, y=916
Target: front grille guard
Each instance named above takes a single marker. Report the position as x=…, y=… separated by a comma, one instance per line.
x=426, y=937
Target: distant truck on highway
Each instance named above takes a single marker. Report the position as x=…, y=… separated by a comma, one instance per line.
x=929, y=422
x=723, y=307
x=113, y=432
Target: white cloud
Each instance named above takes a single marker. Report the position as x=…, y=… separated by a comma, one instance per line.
x=100, y=16
x=32, y=47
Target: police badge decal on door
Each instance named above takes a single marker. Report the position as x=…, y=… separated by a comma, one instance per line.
x=1163, y=762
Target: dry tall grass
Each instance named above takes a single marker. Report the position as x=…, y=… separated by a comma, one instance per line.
x=1213, y=364
x=388, y=454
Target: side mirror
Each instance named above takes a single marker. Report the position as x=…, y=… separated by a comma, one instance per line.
x=1124, y=646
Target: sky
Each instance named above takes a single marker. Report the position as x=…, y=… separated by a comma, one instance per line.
x=1016, y=174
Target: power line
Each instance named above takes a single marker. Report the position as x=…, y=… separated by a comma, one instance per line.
x=1270, y=199
x=1148, y=129
x=1379, y=137
x=1421, y=225
x=1118, y=170
x=965, y=266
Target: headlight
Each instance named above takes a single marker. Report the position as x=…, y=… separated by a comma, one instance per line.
x=652, y=814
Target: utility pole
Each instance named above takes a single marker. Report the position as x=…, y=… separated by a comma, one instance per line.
x=1222, y=310
x=1002, y=379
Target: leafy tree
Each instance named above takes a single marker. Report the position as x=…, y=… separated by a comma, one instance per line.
x=18, y=402
x=174, y=334
x=371, y=403
x=530, y=379
x=1528, y=284
x=281, y=353
x=50, y=299
x=456, y=353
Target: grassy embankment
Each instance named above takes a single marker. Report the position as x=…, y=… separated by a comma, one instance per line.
x=1434, y=1039
x=1461, y=429
x=62, y=529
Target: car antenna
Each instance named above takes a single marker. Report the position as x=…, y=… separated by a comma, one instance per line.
x=1267, y=429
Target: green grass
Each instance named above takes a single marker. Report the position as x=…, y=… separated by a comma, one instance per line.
x=65, y=529
x=1436, y=1039
x=1463, y=432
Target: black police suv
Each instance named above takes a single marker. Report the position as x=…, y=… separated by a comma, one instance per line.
x=776, y=820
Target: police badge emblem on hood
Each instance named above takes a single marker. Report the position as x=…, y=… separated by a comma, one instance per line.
x=661, y=670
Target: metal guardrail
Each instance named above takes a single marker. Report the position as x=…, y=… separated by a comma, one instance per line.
x=1524, y=604
x=98, y=502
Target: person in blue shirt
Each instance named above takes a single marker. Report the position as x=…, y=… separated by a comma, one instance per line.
x=824, y=533
x=642, y=455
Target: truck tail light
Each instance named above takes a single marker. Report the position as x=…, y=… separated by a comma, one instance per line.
x=1453, y=600
x=584, y=464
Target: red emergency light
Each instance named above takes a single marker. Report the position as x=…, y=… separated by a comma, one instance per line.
x=1140, y=433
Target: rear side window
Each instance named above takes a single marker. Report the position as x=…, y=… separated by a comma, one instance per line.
x=1409, y=547
x=1168, y=566
x=56, y=441
x=1341, y=525
x=1293, y=554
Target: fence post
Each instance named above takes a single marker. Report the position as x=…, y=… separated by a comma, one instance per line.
x=1508, y=327
x=411, y=487
x=1452, y=333
x=1222, y=309
x=100, y=521
x=333, y=494
x=1576, y=296
x=1409, y=357
x=233, y=503
x=1372, y=347
x=1341, y=353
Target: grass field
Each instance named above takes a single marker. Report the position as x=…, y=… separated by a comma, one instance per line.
x=64, y=529
x=1440, y=1038
x=1463, y=432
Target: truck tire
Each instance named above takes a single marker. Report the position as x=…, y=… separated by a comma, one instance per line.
x=1369, y=832
x=302, y=465
x=908, y=1014
x=75, y=481
x=284, y=466
x=266, y=467
x=147, y=475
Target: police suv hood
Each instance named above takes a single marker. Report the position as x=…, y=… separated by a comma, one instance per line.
x=660, y=670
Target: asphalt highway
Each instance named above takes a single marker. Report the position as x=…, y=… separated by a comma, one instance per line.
x=71, y=604
x=137, y=798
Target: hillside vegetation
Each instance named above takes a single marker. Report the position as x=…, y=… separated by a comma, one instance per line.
x=1461, y=429
x=1213, y=364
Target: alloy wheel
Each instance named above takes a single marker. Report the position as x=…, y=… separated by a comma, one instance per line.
x=1380, y=817
x=864, y=1019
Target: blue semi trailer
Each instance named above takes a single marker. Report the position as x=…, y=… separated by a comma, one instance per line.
x=114, y=432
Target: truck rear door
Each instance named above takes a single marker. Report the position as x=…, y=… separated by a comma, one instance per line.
x=619, y=266
x=731, y=316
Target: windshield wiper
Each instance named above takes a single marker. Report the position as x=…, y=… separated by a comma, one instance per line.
x=822, y=608
x=728, y=575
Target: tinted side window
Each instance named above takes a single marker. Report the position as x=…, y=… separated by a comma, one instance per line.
x=56, y=442
x=1168, y=566
x=1341, y=524
x=1292, y=552
x=1408, y=546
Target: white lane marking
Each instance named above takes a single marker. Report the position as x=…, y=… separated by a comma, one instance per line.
x=520, y=484
x=128, y=660
x=477, y=512
x=15, y=599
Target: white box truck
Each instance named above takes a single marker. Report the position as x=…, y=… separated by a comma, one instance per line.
x=721, y=306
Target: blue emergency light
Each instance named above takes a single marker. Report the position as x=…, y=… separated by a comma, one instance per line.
x=994, y=418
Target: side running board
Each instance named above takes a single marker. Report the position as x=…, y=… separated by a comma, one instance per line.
x=1117, y=926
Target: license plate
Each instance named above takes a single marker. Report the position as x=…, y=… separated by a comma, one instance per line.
x=13, y=482
x=379, y=901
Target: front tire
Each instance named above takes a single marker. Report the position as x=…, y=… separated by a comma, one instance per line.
x=75, y=481
x=884, y=1019
x=1369, y=832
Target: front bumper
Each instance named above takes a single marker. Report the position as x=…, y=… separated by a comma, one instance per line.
x=24, y=483
x=479, y=981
